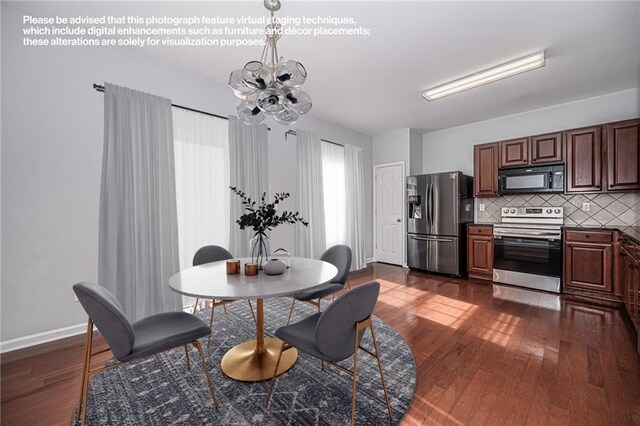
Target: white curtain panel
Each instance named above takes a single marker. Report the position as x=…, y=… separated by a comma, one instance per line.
x=248, y=155
x=202, y=181
x=309, y=241
x=354, y=183
x=138, y=232
x=333, y=179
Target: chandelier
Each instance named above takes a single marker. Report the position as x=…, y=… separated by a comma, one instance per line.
x=271, y=85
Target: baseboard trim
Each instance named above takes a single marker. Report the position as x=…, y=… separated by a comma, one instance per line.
x=370, y=260
x=40, y=338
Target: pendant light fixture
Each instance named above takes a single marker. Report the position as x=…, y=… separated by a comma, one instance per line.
x=271, y=85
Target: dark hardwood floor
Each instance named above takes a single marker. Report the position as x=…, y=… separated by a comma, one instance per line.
x=485, y=355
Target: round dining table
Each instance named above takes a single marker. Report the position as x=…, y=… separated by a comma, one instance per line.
x=255, y=359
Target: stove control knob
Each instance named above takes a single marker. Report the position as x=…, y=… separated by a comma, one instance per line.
x=549, y=211
x=513, y=211
x=505, y=211
x=557, y=211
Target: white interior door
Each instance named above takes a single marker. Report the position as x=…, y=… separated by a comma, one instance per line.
x=389, y=213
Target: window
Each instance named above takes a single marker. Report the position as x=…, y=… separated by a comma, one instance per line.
x=333, y=179
x=201, y=151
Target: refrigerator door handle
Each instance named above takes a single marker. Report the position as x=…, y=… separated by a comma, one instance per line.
x=413, y=237
x=428, y=206
x=431, y=207
x=441, y=240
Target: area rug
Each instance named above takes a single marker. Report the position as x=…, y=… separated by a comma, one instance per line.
x=161, y=391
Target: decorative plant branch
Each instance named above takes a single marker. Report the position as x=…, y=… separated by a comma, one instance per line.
x=263, y=217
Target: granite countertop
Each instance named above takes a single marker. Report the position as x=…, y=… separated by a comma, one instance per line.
x=632, y=232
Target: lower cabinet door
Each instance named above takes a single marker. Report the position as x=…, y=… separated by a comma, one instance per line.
x=589, y=266
x=480, y=256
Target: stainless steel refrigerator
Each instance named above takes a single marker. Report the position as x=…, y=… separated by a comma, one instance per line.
x=439, y=206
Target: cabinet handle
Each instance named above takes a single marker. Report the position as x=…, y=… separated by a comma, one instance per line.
x=587, y=236
x=598, y=186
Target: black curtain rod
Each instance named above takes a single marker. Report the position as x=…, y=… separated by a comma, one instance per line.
x=100, y=88
x=293, y=132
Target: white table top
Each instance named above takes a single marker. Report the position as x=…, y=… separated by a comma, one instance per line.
x=210, y=281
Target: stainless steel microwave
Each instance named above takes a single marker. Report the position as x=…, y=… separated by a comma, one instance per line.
x=533, y=179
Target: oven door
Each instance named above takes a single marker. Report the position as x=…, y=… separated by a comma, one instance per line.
x=538, y=256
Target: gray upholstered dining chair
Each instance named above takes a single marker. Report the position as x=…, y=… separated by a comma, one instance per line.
x=335, y=334
x=129, y=342
x=340, y=257
x=209, y=254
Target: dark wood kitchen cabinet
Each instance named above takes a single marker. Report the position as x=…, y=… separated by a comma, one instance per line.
x=630, y=277
x=480, y=251
x=485, y=169
x=514, y=152
x=622, y=145
x=588, y=261
x=583, y=154
x=545, y=148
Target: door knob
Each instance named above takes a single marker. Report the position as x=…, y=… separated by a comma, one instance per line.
x=398, y=220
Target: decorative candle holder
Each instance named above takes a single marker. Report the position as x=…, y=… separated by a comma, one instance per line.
x=250, y=269
x=233, y=267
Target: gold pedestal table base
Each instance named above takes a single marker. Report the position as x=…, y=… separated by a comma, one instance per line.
x=255, y=360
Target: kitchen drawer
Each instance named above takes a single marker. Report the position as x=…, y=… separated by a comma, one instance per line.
x=480, y=230
x=598, y=237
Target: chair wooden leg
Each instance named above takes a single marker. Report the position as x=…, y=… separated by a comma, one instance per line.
x=186, y=352
x=84, y=390
x=384, y=385
x=275, y=373
x=84, y=370
x=224, y=307
x=291, y=311
x=210, y=326
x=253, y=315
x=319, y=305
x=205, y=367
x=348, y=285
x=195, y=305
x=355, y=380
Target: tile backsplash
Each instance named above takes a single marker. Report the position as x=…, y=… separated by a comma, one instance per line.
x=612, y=209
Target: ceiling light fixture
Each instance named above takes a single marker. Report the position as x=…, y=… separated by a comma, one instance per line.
x=490, y=75
x=271, y=85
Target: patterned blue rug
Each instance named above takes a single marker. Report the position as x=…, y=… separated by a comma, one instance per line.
x=161, y=391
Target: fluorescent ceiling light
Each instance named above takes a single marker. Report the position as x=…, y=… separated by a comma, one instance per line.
x=508, y=69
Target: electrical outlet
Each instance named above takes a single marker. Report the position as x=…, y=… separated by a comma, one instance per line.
x=481, y=207
x=586, y=207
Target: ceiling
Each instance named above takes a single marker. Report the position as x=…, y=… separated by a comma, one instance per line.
x=373, y=84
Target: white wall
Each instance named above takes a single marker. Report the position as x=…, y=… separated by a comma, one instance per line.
x=416, y=149
x=392, y=147
x=452, y=149
x=52, y=137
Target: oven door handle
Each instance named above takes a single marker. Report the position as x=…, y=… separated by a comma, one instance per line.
x=538, y=235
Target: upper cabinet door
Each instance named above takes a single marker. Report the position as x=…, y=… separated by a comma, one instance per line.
x=623, y=155
x=583, y=154
x=546, y=148
x=485, y=170
x=514, y=152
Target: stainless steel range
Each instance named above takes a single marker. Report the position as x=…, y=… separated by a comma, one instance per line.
x=527, y=248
